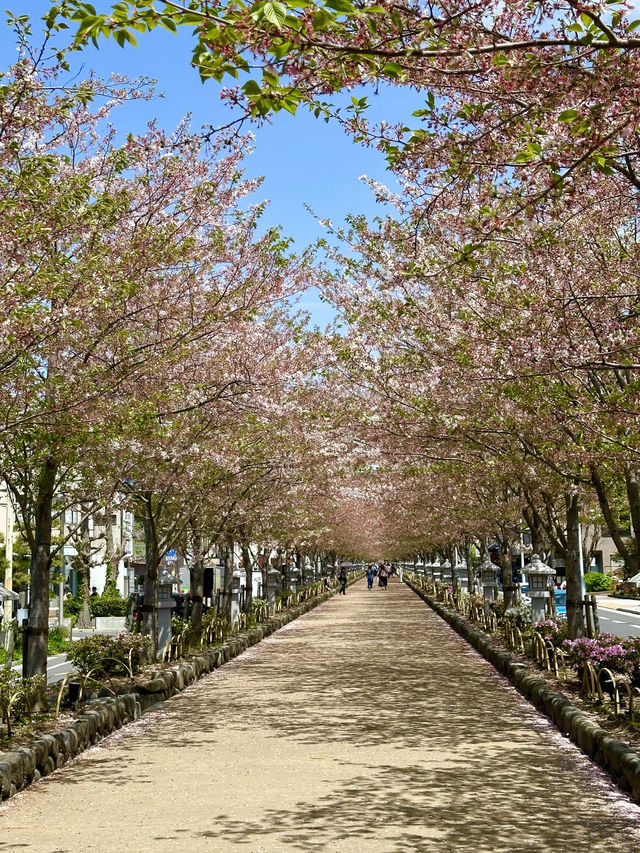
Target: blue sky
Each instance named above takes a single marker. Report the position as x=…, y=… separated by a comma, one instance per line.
x=303, y=159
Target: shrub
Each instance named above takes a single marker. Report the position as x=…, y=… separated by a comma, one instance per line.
x=111, y=604
x=520, y=615
x=598, y=582
x=606, y=650
x=58, y=640
x=178, y=624
x=17, y=696
x=498, y=607
x=554, y=630
x=109, y=654
x=108, y=605
x=72, y=606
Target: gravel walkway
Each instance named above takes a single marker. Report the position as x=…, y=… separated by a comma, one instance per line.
x=366, y=725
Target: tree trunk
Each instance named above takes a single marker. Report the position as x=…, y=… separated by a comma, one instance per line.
x=508, y=587
x=471, y=576
x=228, y=579
x=113, y=553
x=630, y=560
x=83, y=567
x=575, y=614
x=248, y=567
x=633, y=494
x=38, y=632
x=196, y=577
x=532, y=517
x=264, y=568
x=151, y=554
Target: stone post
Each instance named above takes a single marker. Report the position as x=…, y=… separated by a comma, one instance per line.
x=235, y=597
x=273, y=577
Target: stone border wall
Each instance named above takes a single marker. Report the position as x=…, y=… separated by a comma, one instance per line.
x=620, y=761
x=24, y=765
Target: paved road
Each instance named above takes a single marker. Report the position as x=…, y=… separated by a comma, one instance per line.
x=57, y=667
x=367, y=725
x=619, y=622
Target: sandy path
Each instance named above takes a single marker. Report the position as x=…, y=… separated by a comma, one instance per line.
x=335, y=734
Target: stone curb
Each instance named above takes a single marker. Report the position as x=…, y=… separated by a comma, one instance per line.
x=24, y=765
x=620, y=761
x=635, y=612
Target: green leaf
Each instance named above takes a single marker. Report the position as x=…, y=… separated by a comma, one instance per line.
x=269, y=78
x=568, y=115
x=251, y=87
x=275, y=12
x=500, y=59
x=169, y=24
x=633, y=25
x=341, y=6
x=392, y=69
x=321, y=19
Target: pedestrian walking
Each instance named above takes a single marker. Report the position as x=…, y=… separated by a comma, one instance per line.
x=383, y=577
x=371, y=573
x=342, y=577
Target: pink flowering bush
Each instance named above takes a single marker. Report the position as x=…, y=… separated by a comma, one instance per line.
x=554, y=630
x=606, y=650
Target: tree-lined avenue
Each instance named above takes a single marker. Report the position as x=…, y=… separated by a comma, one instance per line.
x=366, y=725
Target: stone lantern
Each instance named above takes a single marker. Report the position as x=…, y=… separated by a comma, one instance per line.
x=539, y=574
x=166, y=602
x=462, y=573
x=435, y=570
x=447, y=577
x=236, y=580
x=488, y=572
x=273, y=579
x=309, y=573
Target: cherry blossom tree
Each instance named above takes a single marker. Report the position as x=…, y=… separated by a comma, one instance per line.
x=121, y=266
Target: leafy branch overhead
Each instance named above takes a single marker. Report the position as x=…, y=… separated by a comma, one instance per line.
x=522, y=88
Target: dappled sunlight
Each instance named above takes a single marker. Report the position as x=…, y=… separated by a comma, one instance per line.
x=366, y=725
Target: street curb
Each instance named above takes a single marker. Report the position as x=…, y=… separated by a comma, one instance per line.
x=25, y=765
x=620, y=761
x=622, y=610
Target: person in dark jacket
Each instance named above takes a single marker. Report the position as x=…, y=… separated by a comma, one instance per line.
x=342, y=577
